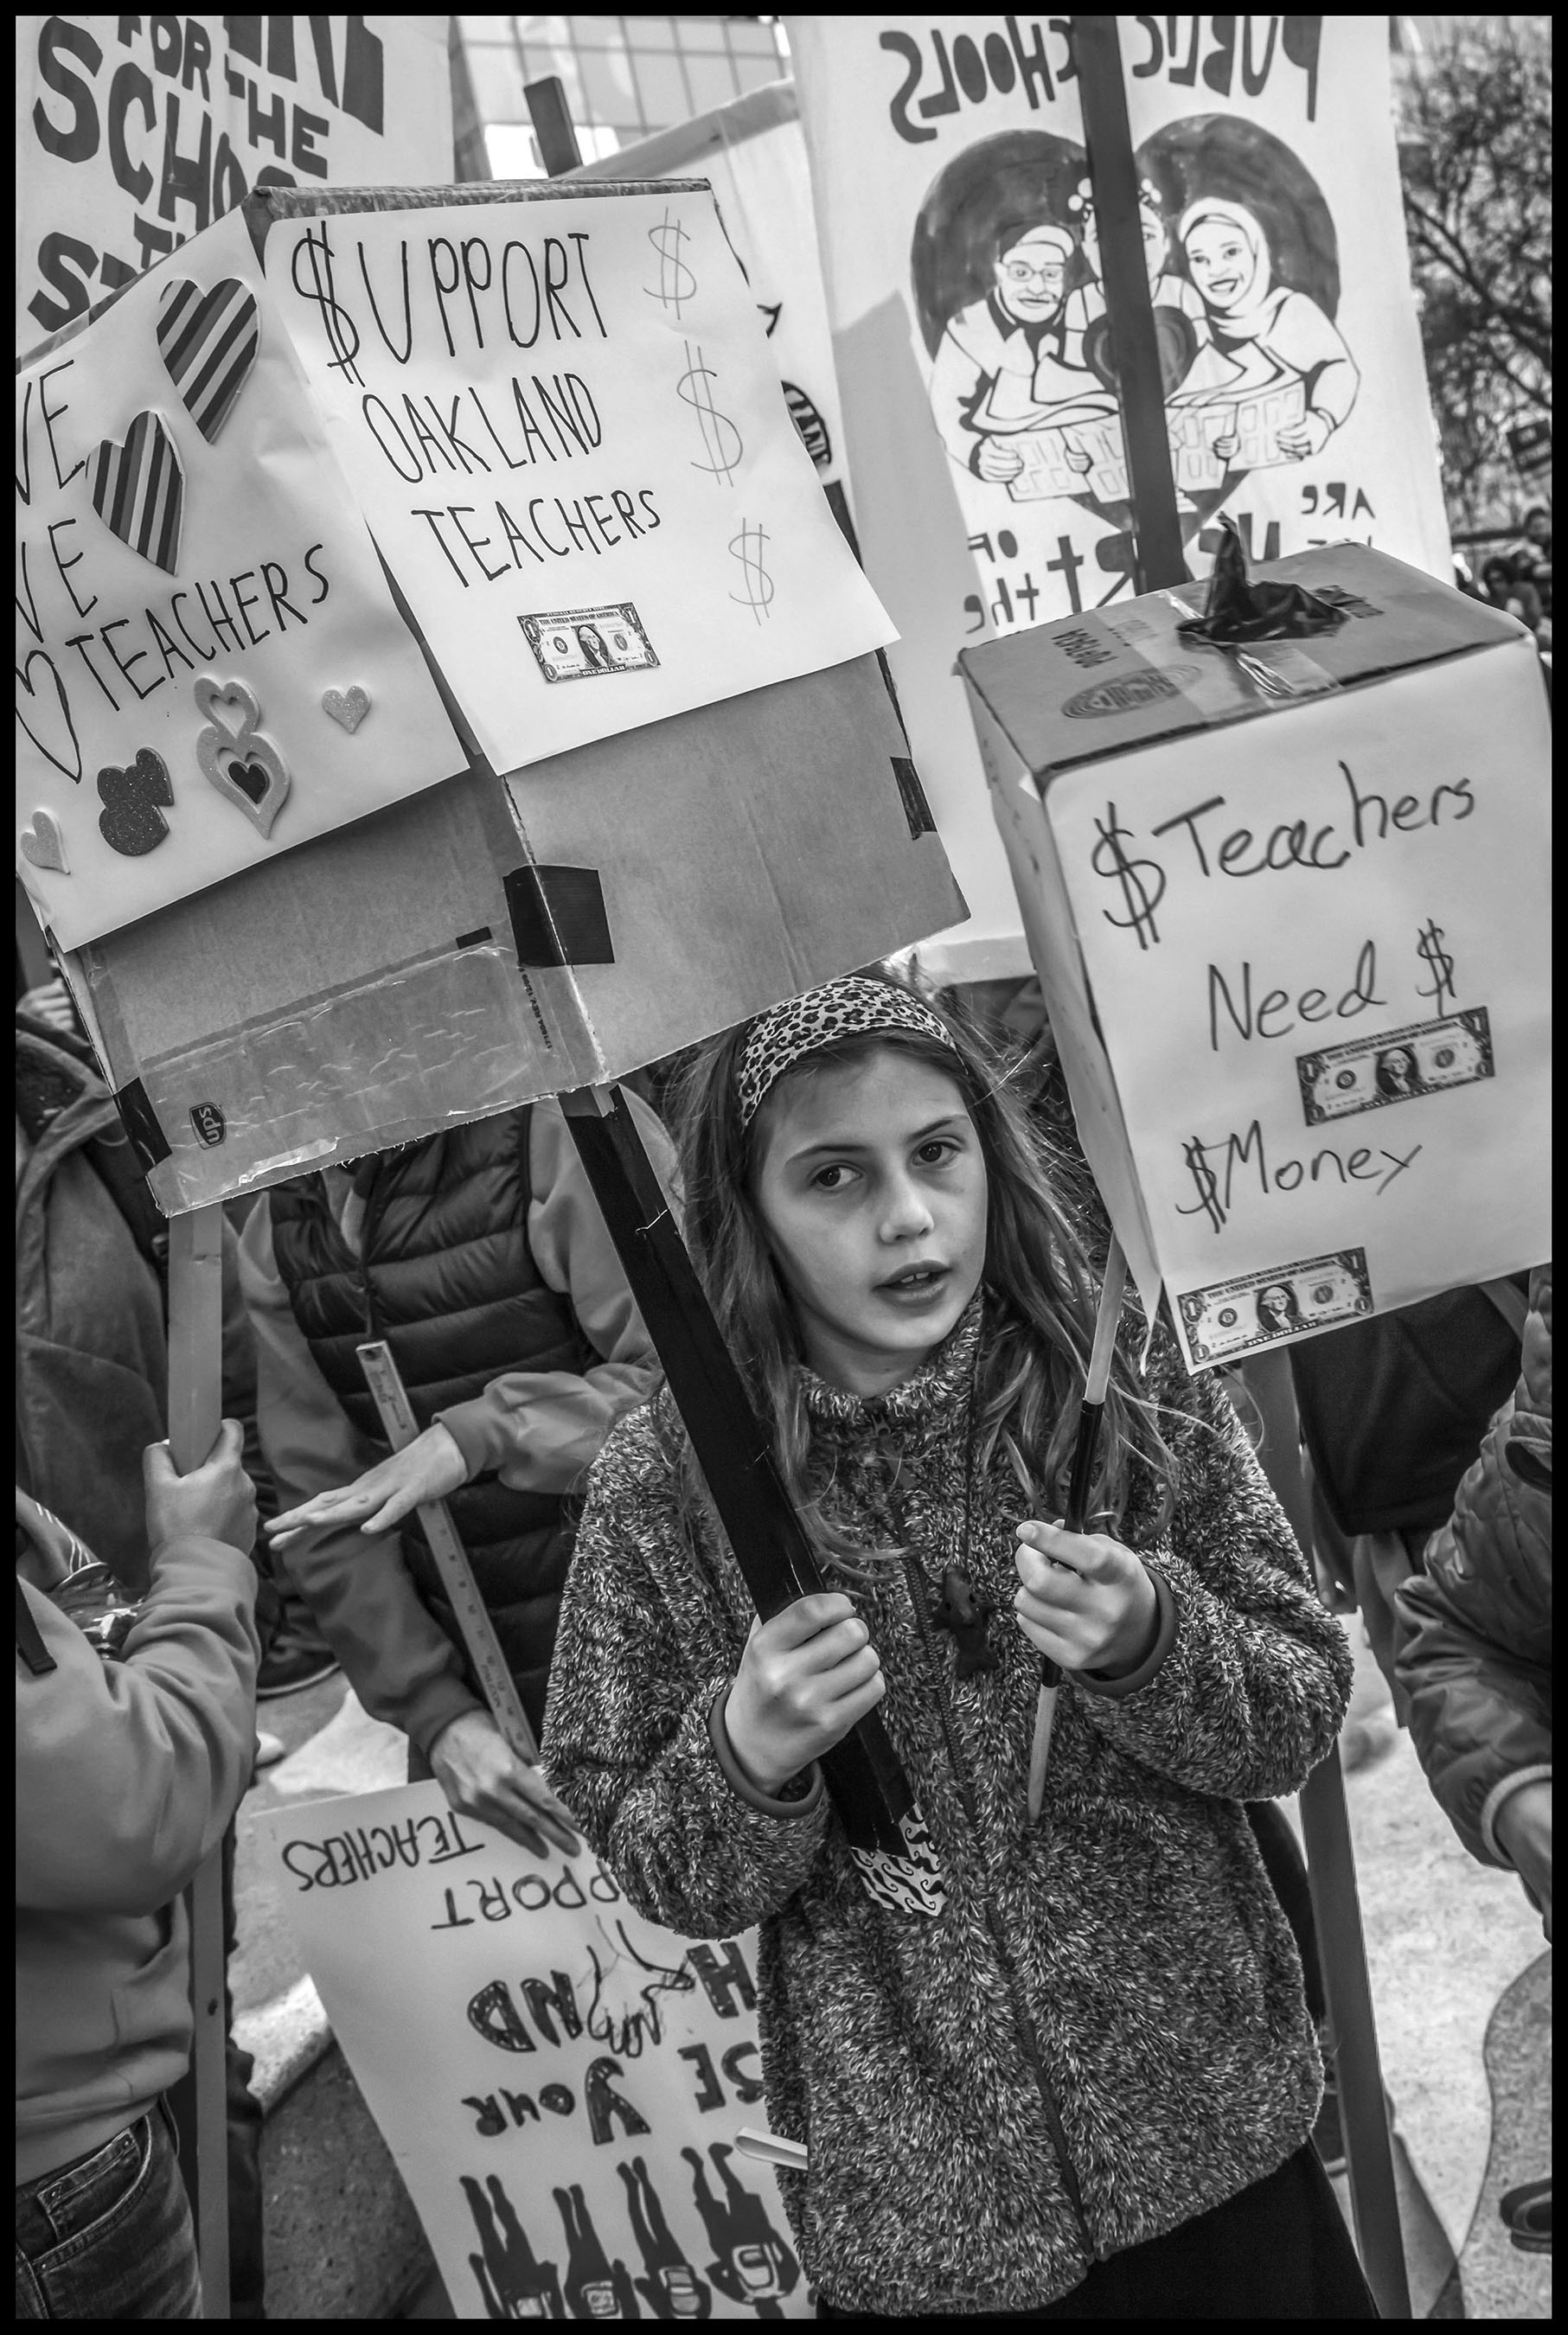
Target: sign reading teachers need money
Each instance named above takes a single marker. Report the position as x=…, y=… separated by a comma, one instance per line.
x=1290, y=910
x=567, y=434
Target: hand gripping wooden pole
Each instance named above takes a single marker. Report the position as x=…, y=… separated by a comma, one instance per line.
x=200, y=2100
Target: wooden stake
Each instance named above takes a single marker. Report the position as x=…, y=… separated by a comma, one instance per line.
x=1082, y=1473
x=195, y=1413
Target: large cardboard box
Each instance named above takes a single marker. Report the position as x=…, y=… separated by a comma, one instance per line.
x=492, y=940
x=1289, y=905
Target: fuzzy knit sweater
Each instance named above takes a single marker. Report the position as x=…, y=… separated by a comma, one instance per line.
x=1103, y=2034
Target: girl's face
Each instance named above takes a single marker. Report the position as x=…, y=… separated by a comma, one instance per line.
x=873, y=1191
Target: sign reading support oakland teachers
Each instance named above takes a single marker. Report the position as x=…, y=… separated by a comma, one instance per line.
x=561, y=2084
x=569, y=441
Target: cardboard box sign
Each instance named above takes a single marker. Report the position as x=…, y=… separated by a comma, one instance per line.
x=492, y=940
x=1288, y=907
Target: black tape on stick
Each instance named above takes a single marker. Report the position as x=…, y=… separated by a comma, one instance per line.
x=558, y=916
x=865, y=1780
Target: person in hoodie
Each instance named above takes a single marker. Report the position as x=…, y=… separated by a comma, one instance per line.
x=480, y=1255
x=1067, y=2069
x=129, y=1771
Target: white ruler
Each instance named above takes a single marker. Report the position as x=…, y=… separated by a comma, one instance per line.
x=399, y=1427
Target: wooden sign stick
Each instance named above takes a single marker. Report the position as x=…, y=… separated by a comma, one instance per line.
x=199, y=2099
x=1084, y=1449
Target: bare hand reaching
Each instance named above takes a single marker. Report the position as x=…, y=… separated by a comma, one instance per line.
x=482, y=1776
x=428, y=1468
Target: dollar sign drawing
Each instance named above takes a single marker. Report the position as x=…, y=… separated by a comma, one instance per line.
x=342, y=331
x=676, y=281
x=1434, y=956
x=747, y=548
x=1109, y=859
x=718, y=430
x=1194, y=1155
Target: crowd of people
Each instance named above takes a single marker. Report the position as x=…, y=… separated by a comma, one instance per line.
x=1518, y=577
x=1096, y=2088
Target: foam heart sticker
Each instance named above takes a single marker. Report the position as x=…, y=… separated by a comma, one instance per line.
x=209, y=341
x=231, y=703
x=131, y=820
x=139, y=489
x=43, y=844
x=347, y=707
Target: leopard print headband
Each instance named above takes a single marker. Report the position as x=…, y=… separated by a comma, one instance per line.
x=787, y=1034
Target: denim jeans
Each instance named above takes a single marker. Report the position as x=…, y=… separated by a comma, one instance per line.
x=110, y=2236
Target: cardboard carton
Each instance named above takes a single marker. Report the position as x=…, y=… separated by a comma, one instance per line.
x=1289, y=906
x=490, y=941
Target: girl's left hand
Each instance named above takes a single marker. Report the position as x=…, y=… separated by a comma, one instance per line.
x=1086, y=1601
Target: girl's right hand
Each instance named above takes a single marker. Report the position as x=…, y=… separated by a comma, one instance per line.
x=804, y=1679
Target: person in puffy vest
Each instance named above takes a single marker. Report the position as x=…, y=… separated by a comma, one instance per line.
x=480, y=1256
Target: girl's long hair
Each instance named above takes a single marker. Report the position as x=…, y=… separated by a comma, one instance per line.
x=1041, y=1293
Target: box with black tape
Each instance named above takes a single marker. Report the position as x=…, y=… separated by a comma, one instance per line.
x=441, y=680
x=1288, y=900
x=489, y=941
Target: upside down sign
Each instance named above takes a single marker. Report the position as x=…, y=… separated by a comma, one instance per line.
x=560, y=2083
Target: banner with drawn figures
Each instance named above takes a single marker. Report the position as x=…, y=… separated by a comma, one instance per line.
x=133, y=133
x=209, y=666
x=564, y=428
x=561, y=2084
x=753, y=155
x=962, y=267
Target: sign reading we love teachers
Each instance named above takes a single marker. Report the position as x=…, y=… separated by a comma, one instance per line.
x=209, y=667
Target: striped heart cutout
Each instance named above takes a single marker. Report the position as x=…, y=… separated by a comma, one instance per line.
x=207, y=341
x=139, y=489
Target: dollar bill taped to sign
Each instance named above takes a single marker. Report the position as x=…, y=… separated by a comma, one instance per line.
x=581, y=642
x=1237, y=1317
x=1395, y=1065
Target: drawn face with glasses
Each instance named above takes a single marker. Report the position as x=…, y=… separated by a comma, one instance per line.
x=1031, y=275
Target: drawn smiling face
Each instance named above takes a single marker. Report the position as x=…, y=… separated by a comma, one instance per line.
x=1224, y=263
x=1031, y=274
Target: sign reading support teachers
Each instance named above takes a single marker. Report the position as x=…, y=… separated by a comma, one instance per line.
x=566, y=435
x=560, y=2083
x=978, y=382
x=134, y=134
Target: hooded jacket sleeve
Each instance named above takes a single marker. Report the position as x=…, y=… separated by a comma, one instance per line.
x=396, y=1656
x=644, y=1650
x=1473, y=1630
x=128, y=1772
x=1254, y=1679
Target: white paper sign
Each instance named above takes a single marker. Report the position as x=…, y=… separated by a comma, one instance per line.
x=753, y=155
x=565, y=430
x=560, y=2083
x=962, y=266
x=209, y=667
x=1318, y=948
x=133, y=133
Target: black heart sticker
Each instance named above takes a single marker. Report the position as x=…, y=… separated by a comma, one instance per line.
x=252, y=778
x=139, y=489
x=130, y=820
x=1175, y=338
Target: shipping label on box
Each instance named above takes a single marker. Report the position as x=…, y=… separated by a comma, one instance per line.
x=1293, y=933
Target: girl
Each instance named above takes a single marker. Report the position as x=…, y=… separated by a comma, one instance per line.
x=1083, y=2089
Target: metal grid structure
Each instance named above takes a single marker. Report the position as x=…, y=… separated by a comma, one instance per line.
x=623, y=76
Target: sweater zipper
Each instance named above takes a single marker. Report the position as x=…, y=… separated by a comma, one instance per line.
x=1021, y=2019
